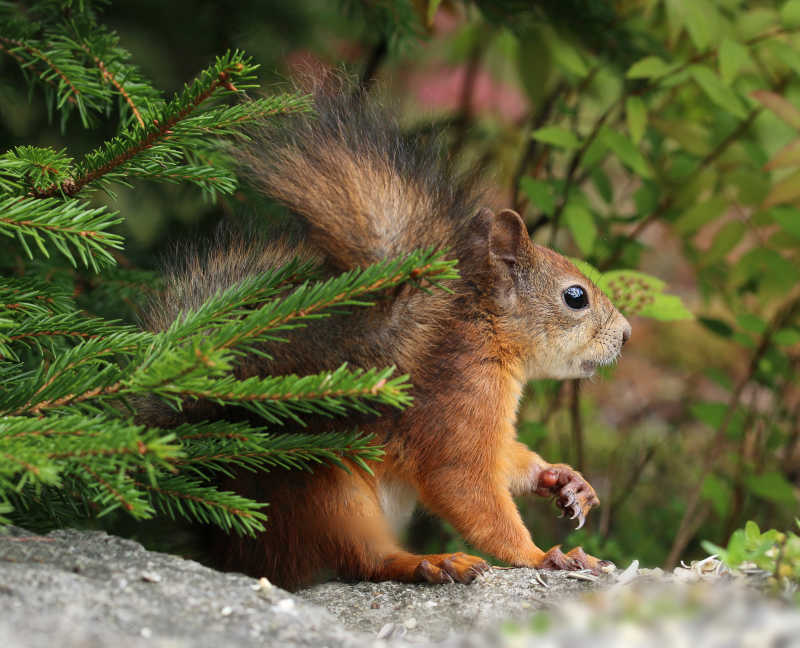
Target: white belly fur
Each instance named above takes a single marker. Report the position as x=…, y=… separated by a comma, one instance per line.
x=398, y=501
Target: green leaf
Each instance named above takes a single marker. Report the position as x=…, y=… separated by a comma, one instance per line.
x=790, y=13
x=751, y=323
x=724, y=241
x=718, y=492
x=775, y=274
x=650, y=67
x=787, y=337
x=433, y=6
x=602, y=184
x=786, y=54
x=568, y=57
x=627, y=152
x=580, y=222
x=539, y=193
x=557, y=136
x=666, y=308
x=736, y=551
x=636, y=293
x=719, y=93
x=700, y=19
x=636, y=115
x=778, y=105
x=773, y=487
x=788, y=218
x=692, y=136
x=718, y=326
x=693, y=219
x=590, y=272
x=710, y=413
x=733, y=56
x=788, y=156
x=752, y=534
x=785, y=191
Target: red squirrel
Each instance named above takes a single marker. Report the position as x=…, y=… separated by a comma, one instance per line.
x=363, y=191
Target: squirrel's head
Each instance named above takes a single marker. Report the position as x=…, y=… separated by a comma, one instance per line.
x=565, y=325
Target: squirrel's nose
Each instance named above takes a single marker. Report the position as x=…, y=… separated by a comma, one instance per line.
x=626, y=333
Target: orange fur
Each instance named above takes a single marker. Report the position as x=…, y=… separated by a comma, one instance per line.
x=363, y=192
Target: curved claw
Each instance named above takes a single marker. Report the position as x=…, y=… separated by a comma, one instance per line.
x=581, y=520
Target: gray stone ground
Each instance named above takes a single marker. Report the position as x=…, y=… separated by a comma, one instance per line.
x=76, y=589
x=430, y=612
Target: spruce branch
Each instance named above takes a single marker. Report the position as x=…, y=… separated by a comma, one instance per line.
x=253, y=290
x=75, y=439
x=311, y=300
x=217, y=446
x=228, y=120
x=180, y=496
x=68, y=445
x=210, y=179
x=30, y=167
x=65, y=225
x=27, y=297
x=32, y=332
x=113, y=156
x=109, y=77
x=279, y=397
x=82, y=373
x=58, y=72
x=113, y=491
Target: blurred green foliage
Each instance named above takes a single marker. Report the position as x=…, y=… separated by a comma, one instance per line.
x=773, y=551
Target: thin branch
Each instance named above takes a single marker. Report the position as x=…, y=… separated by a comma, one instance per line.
x=576, y=424
x=467, y=90
x=372, y=390
x=117, y=495
x=574, y=163
x=41, y=55
x=90, y=234
x=376, y=57
x=194, y=498
x=109, y=77
x=73, y=398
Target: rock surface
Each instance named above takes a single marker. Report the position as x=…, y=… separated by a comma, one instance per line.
x=421, y=612
x=77, y=589
x=89, y=589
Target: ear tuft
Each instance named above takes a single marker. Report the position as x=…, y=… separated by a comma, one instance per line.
x=508, y=236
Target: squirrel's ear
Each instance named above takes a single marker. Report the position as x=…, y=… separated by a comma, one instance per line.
x=508, y=236
x=480, y=232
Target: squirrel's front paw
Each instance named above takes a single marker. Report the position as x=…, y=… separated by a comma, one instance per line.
x=574, y=495
x=572, y=561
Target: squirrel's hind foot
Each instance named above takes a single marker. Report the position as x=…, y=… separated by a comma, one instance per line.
x=433, y=568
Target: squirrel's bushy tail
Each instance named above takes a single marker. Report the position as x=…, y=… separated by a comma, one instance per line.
x=367, y=191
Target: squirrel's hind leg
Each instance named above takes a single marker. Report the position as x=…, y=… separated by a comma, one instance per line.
x=331, y=521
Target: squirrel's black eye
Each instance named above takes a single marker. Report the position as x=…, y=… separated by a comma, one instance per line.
x=576, y=298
